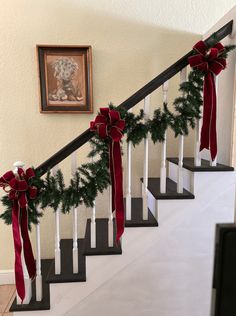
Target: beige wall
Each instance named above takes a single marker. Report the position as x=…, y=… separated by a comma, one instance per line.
x=126, y=54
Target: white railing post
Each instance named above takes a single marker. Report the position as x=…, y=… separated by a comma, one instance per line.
x=27, y=280
x=74, y=219
x=93, y=227
x=197, y=154
x=110, y=221
x=57, y=250
x=128, y=183
x=145, y=163
x=165, y=87
x=180, y=186
x=197, y=142
x=214, y=162
x=39, y=285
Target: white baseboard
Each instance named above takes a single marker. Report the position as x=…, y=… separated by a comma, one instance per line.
x=7, y=277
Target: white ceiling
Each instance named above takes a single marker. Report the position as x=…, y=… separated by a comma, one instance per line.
x=195, y=16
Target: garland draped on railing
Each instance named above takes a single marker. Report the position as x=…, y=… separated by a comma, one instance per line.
x=93, y=177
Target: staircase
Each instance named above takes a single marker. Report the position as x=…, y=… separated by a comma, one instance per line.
x=163, y=263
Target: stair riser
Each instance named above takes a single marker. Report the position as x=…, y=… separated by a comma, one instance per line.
x=188, y=176
x=207, y=184
x=152, y=205
x=165, y=209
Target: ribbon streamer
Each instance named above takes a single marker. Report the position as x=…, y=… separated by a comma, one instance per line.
x=16, y=185
x=109, y=124
x=211, y=63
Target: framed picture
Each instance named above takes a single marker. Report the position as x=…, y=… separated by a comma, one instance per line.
x=65, y=76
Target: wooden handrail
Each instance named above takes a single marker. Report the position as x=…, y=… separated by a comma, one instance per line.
x=134, y=99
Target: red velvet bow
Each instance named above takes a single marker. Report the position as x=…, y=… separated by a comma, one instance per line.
x=18, y=189
x=210, y=62
x=109, y=124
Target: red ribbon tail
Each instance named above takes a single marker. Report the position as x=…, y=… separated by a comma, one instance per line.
x=28, y=252
x=208, y=132
x=118, y=189
x=19, y=276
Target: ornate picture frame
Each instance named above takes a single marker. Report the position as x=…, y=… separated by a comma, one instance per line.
x=65, y=79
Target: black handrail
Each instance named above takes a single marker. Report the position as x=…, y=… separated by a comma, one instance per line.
x=134, y=99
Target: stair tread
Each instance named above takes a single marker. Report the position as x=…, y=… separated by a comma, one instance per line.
x=136, y=215
x=101, y=239
x=188, y=163
x=67, y=274
x=34, y=305
x=171, y=190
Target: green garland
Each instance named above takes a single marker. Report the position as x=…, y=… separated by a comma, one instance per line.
x=93, y=177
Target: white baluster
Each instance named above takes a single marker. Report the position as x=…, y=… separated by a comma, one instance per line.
x=163, y=166
x=197, y=154
x=145, y=163
x=27, y=280
x=213, y=163
x=93, y=227
x=180, y=186
x=75, y=241
x=39, y=285
x=74, y=219
x=197, y=143
x=128, y=184
x=57, y=250
x=110, y=221
x=165, y=87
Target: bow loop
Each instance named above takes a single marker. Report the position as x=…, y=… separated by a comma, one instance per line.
x=105, y=111
x=100, y=119
x=6, y=178
x=220, y=47
x=200, y=47
x=218, y=65
x=29, y=173
x=121, y=125
x=114, y=116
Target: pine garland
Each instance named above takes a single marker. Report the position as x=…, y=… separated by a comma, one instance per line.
x=94, y=177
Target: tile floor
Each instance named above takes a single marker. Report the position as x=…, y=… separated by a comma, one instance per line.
x=7, y=294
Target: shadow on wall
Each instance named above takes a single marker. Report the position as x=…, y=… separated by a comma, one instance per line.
x=126, y=55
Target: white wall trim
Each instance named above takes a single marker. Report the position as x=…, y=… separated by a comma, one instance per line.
x=7, y=277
